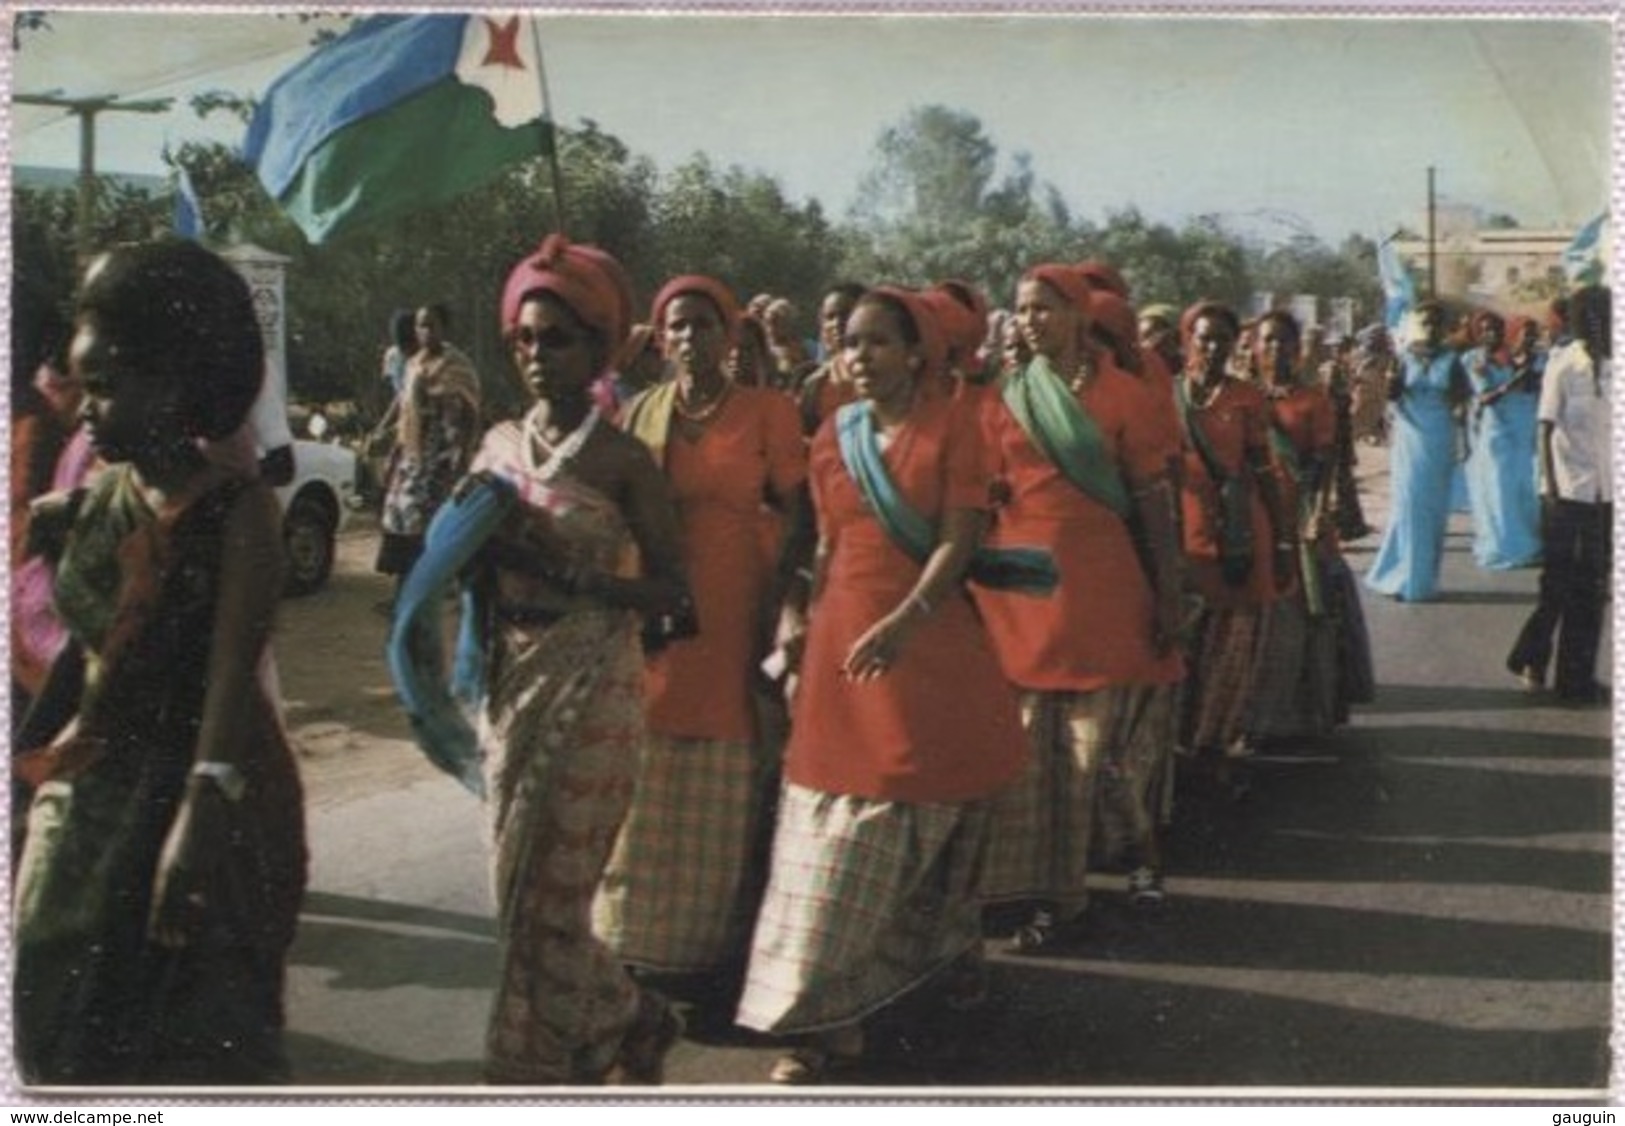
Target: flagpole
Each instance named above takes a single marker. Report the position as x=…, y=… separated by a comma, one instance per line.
x=552, y=133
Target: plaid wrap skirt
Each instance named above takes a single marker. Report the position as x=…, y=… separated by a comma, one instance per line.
x=679, y=894
x=866, y=901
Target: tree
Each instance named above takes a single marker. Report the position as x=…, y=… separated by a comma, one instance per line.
x=930, y=209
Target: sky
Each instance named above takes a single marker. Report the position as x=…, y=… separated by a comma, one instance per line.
x=1274, y=123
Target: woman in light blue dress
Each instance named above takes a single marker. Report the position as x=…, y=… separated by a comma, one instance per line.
x=1426, y=394
x=1506, y=506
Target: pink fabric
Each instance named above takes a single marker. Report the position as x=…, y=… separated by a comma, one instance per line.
x=585, y=278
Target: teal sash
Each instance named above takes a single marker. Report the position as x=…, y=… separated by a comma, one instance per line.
x=1062, y=430
x=1026, y=569
x=436, y=709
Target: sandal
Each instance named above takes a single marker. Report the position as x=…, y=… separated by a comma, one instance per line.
x=1145, y=887
x=1042, y=931
x=813, y=1063
x=641, y=1061
x=800, y=1067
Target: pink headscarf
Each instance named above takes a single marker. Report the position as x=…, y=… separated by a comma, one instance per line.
x=588, y=280
x=720, y=296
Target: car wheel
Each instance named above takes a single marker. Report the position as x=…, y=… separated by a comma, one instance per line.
x=308, y=533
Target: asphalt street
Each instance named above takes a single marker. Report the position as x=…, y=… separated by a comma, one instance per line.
x=1420, y=905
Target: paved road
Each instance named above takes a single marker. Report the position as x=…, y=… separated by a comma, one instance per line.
x=1423, y=902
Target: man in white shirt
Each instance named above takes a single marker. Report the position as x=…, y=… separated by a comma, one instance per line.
x=1577, y=506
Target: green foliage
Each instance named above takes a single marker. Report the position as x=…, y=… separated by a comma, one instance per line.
x=934, y=206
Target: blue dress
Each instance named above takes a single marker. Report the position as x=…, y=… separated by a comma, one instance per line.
x=1501, y=468
x=1422, y=461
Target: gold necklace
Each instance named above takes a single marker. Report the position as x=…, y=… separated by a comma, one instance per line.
x=705, y=411
x=1080, y=378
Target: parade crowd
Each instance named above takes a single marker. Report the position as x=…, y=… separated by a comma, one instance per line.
x=782, y=666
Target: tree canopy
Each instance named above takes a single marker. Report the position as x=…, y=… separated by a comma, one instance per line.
x=936, y=203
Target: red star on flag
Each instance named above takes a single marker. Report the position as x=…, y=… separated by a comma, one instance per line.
x=504, y=48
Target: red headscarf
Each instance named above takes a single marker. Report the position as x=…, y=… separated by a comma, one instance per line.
x=585, y=278
x=720, y=296
x=1116, y=318
x=922, y=311
x=1102, y=277
x=963, y=328
x=1066, y=281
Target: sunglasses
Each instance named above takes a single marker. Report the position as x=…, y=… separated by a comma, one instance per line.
x=554, y=339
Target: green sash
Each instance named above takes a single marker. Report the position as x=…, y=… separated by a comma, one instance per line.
x=1308, y=567
x=1062, y=431
x=1026, y=569
x=648, y=418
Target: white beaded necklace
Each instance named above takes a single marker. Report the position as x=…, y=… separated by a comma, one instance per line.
x=557, y=455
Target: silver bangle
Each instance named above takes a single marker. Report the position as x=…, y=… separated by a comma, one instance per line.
x=226, y=778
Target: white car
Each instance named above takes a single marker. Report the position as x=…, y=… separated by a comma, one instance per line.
x=316, y=506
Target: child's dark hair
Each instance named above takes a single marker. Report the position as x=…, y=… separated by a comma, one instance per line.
x=177, y=311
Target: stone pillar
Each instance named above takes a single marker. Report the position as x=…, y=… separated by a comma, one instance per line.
x=266, y=273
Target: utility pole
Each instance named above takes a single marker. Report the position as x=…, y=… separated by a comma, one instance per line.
x=1433, y=253
x=86, y=109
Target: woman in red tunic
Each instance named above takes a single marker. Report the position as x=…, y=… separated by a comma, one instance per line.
x=676, y=896
x=882, y=821
x=1240, y=541
x=1083, y=461
x=1295, y=694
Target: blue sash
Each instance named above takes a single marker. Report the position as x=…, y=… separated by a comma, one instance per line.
x=1027, y=569
x=440, y=725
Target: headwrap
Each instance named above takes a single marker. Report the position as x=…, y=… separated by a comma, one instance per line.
x=1115, y=317
x=1167, y=314
x=720, y=296
x=927, y=324
x=963, y=328
x=1066, y=281
x=638, y=341
x=588, y=280
x=1102, y=277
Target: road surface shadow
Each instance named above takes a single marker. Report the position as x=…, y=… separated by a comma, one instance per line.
x=1055, y=1025
x=385, y=911
x=362, y=957
x=1392, y=698
x=317, y=1061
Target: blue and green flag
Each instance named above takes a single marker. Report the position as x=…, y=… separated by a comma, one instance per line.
x=399, y=113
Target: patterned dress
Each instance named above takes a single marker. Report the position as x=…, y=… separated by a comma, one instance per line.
x=560, y=730
x=96, y=1001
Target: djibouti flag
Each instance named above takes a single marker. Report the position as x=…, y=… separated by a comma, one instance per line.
x=399, y=113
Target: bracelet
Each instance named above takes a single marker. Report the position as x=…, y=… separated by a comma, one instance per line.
x=226, y=778
x=918, y=602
